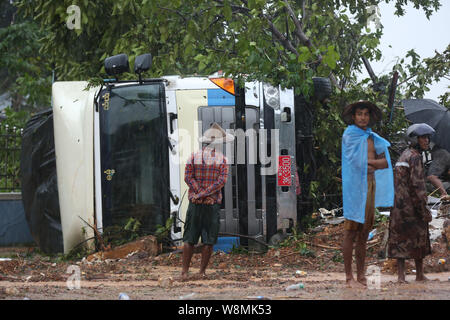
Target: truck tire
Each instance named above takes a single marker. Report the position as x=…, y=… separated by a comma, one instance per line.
x=322, y=88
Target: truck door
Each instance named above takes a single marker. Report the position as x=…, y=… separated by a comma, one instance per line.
x=132, y=156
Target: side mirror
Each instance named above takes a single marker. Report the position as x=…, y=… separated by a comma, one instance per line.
x=117, y=64
x=142, y=63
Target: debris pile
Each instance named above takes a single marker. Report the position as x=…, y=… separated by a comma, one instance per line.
x=143, y=247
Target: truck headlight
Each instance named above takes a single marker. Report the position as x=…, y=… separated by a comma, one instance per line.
x=272, y=96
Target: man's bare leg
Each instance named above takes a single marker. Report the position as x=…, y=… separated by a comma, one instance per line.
x=206, y=255
x=401, y=271
x=347, y=252
x=188, y=251
x=420, y=275
x=360, y=255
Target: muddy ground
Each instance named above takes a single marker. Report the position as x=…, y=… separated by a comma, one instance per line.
x=230, y=284
x=237, y=276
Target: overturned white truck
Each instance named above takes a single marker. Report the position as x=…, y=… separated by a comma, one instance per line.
x=121, y=150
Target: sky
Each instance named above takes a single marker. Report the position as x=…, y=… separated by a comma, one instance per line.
x=413, y=31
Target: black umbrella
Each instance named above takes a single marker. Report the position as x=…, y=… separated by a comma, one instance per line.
x=432, y=113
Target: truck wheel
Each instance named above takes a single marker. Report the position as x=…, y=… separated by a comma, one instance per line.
x=322, y=88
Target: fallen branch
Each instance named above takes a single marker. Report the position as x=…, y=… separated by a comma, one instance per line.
x=97, y=235
x=243, y=236
x=371, y=244
x=322, y=246
x=287, y=255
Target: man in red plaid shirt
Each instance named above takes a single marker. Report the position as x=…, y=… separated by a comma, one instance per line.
x=206, y=173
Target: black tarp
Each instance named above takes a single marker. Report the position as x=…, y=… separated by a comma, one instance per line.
x=39, y=184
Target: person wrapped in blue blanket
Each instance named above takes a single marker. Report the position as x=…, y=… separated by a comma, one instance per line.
x=367, y=182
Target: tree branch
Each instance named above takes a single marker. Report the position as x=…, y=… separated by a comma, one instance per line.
x=298, y=26
x=174, y=11
x=305, y=40
x=286, y=43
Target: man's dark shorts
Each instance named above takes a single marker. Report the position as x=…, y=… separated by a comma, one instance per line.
x=202, y=220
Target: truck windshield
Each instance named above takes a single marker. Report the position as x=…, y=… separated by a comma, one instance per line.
x=134, y=159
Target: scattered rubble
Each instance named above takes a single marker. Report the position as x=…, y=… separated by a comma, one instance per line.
x=145, y=246
x=316, y=250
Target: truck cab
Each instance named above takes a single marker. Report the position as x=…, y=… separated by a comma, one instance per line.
x=121, y=150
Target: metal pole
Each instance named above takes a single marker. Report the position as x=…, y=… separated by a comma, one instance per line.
x=392, y=90
x=241, y=168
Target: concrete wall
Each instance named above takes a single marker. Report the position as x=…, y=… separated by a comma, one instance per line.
x=14, y=228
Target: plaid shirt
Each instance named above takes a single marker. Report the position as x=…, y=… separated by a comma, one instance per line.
x=206, y=174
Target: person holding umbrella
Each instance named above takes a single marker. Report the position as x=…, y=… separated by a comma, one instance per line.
x=409, y=237
x=438, y=169
x=438, y=117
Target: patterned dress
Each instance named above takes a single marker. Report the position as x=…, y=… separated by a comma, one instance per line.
x=408, y=232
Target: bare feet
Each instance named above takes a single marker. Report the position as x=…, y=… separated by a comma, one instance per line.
x=422, y=278
x=201, y=276
x=355, y=284
x=363, y=281
x=184, y=277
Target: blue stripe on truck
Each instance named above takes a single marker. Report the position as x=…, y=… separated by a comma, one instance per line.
x=219, y=97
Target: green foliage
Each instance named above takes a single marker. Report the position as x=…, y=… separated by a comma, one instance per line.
x=239, y=250
x=119, y=234
x=274, y=41
x=133, y=226
x=164, y=231
x=16, y=119
x=297, y=240
x=281, y=42
x=417, y=76
x=305, y=250
x=10, y=146
x=380, y=220
x=25, y=74
x=338, y=257
x=77, y=253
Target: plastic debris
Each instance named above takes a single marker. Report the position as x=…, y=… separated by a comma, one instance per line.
x=5, y=259
x=296, y=286
x=300, y=273
x=441, y=261
x=372, y=234
x=325, y=214
x=11, y=291
x=337, y=220
x=258, y=298
x=165, y=282
x=123, y=296
x=189, y=296
x=277, y=265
